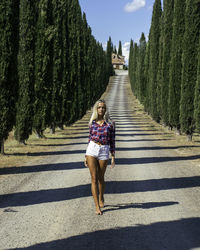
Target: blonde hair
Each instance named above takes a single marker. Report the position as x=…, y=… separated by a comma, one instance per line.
x=94, y=115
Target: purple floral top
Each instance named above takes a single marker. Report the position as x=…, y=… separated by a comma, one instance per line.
x=105, y=134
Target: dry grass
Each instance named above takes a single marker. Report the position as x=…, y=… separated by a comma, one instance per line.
x=168, y=138
x=17, y=154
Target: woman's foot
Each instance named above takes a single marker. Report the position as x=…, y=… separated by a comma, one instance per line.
x=101, y=202
x=98, y=211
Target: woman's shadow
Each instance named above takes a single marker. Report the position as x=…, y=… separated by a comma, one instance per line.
x=147, y=205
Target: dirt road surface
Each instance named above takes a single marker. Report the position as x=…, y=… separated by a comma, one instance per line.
x=152, y=199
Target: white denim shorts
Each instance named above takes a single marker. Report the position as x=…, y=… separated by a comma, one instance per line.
x=101, y=152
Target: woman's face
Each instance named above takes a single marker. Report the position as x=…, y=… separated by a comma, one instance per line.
x=101, y=109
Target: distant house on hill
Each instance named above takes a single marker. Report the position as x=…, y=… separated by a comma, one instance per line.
x=118, y=61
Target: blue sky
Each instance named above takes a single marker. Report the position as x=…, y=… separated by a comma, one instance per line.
x=120, y=19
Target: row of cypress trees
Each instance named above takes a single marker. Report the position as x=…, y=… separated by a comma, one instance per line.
x=52, y=69
x=164, y=72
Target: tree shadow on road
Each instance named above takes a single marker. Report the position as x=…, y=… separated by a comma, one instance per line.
x=182, y=234
x=136, y=140
x=80, y=191
x=60, y=145
x=156, y=148
x=42, y=168
x=148, y=160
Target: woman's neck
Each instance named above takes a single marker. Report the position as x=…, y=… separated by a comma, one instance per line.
x=100, y=118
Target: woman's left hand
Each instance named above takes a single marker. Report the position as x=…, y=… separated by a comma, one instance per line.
x=112, y=162
x=85, y=162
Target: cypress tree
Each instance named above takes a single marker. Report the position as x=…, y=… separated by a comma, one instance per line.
x=130, y=63
x=80, y=62
x=167, y=37
x=109, y=57
x=176, y=63
x=120, y=48
x=56, y=109
x=65, y=105
x=160, y=68
x=189, y=69
x=26, y=69
x=43, y=68
x=154, y=38
x=88, y=62
x=134, y=69
x=73, y=57
x=140, y=69
x=146, y=83
x=9, y=15
x=197, y=95
x=115, y=50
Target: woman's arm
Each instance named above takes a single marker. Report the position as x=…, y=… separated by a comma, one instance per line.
x=112, y=145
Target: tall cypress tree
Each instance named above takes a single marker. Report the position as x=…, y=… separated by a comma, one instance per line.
x=80, y=62
x=140, y=68
x=9, y=15
x=43, y=68
x=134, y=69
x=56, y=109
x=176, y=63
x=115, y=50
x=130, y=63
x=109, y=57
x=73, y=58
x=146, y=74
x=197, y=95
x=160, y=67
x=65, y=105
x=120, y=48
x=154, y=38
x=189, y=69
x=26, y=62
x=167, y=37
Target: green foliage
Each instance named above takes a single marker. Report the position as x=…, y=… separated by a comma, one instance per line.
x=160, y=68
x=154, y=39
x=176, y=63
x=197, y=95
x=9, y=20
x=167, y=37
x=43, y=67
x=189, y=69
x=62, y=69
x=120, y=48
x=140, y=69
x=109, y=57
x=26, y=69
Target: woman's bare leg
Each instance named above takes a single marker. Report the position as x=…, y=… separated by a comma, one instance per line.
x=101, y=172
x=93, y=167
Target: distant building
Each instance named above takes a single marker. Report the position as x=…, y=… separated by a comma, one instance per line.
x=118, y=61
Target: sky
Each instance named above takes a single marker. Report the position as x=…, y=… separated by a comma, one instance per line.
x=122, y=20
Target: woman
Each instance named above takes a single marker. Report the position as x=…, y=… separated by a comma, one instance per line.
x=101, y=141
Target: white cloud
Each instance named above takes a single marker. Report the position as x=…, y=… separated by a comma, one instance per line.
x=125, y=51
x=134, y=5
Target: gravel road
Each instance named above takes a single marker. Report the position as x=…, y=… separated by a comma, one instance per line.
x=152, y=199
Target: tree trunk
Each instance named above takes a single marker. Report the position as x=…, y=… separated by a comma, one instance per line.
x=2, y=147
x=61, y=127
x=189, y=137
x=52, y=129
x=177, y=131
x=22, y=142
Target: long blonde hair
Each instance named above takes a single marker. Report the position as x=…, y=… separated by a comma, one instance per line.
x=94, y=115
